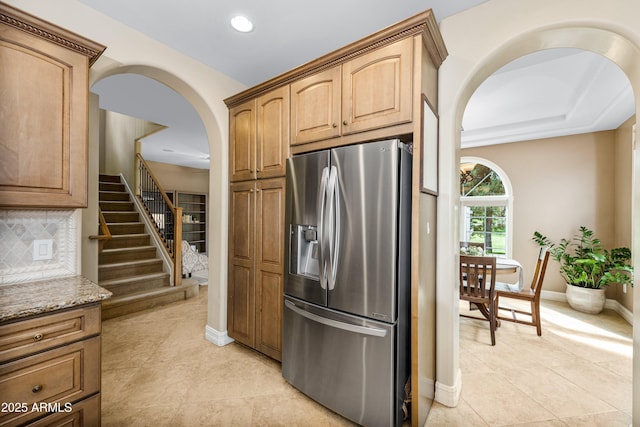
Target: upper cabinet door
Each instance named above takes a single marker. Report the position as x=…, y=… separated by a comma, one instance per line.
x=44, y=87
x=315, y=107
x=242, y=142
x=273, y=133
x=377, y=88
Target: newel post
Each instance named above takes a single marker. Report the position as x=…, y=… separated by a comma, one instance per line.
x=177, y=247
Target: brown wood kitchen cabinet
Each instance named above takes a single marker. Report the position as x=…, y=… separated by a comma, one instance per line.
x=256, y=262
x=52, y=358
x=44, y=109
x=371, y=91
x=259, y=137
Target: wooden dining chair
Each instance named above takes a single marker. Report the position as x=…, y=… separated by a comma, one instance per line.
x=532, y=295
x=477, y=285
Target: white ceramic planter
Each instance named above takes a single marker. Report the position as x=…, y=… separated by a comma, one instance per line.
x=586, y=300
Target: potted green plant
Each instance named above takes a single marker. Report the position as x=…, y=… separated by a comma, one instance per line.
x=588, y=268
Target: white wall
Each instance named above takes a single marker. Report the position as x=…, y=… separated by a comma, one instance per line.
x=480, y=41
x=205, y=88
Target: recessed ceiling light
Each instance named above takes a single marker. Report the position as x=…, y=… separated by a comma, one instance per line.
x=241, y=23
x=168, y=150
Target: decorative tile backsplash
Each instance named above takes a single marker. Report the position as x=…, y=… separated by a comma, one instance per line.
x=19, y=229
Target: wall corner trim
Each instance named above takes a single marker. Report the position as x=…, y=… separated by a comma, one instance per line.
x=218, y=338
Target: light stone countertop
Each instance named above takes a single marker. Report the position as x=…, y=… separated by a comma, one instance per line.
x=31, y=298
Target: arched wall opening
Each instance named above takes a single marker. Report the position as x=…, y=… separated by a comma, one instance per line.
x=466, y=68
x=218, y=181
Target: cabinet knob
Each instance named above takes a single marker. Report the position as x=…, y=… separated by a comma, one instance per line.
x=335, y=125
x=38, y=337
x=344, y=122
x=37, y=388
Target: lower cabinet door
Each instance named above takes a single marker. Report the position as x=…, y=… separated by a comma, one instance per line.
x=85, y=413
x=270, y=266
x=49, y=381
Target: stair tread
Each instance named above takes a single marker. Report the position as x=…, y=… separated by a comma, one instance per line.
x=126, y=223
x=129, y=249
x=121, y=236
x=130, y=263
x=121, y=280
x=134, y=296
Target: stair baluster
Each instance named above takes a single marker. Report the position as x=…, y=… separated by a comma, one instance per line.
x=166, y=217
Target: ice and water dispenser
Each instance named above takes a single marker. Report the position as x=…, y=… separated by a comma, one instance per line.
x=304, y=251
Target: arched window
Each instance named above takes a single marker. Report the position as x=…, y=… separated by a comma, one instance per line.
x=486, y=206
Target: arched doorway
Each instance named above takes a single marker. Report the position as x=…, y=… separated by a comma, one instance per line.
x=472, y=61
x=214, y=123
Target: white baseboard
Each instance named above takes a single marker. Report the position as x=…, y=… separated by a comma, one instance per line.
x=426, y=386
x=218, y=338
x=449, y=395
x=609, y=303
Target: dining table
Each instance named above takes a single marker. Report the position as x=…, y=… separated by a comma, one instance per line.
x=509, y=266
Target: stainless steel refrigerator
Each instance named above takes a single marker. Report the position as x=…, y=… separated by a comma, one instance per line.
x=347, y=278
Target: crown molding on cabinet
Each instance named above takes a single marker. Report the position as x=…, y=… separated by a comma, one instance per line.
x=423, y=23
x=50, y=32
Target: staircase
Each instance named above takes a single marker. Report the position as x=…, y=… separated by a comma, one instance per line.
x=129, y=265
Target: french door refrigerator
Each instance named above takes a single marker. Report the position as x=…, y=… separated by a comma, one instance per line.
x=347, y=278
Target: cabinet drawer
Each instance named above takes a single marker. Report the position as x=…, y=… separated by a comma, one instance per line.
x=48, y=331
x=61, y=375
x=85, y=413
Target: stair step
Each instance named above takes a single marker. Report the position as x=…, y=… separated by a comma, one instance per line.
x=129, y=268
x=112, y=186
x=109, y=178
x=116, y=206
x=135, y=284
x=120, y=216
x=110, y=256
x=107, y=196
x=119, y=228
x=127, y=241
x=138, y=301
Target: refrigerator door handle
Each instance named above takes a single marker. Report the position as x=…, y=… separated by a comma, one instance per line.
x=322, y=247
x=363, y=330
x=334, y=226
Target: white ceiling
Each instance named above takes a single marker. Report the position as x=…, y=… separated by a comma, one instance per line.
x=549, y=93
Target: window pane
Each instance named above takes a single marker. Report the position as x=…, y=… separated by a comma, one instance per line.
x=487, y=225
x=479, y=180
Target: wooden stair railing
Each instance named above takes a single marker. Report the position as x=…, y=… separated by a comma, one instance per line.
x=160, y=210
x=104, y=235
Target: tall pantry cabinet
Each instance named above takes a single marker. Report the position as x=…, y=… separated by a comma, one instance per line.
x=259, y=146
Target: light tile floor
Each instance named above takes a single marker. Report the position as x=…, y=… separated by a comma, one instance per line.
x=158, y=370
x=578, y=373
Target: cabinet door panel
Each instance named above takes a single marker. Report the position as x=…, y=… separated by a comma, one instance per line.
x=241, y=293
x=241, y=304
x=315, y=107
x=377, y=88
x=242, y=221
x=242, y=142
x=269, y=314
x=270, y=266
x=273, y=133
x=44, y=110
x=270, y=232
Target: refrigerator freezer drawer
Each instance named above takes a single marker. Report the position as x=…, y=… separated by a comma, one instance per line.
x=344, y=362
